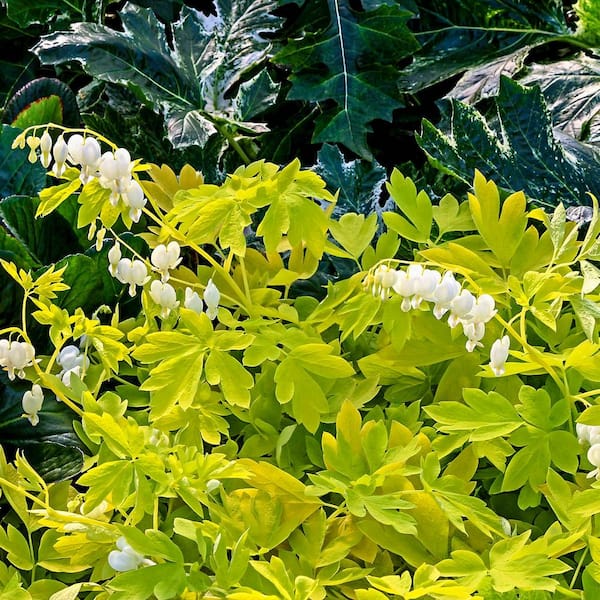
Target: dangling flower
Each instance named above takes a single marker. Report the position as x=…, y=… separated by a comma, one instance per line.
x=593, y=456
x=16, y=356
x=75, y=147
x=425, y=286
x=193, y=301
x=132, y=272
x=60, y=151
x=165, y=258
x=134, y=197
x=460, y=307
x=444, y=293
x=114, y=256
x=126, y=558
x=383, y=279
x=164, y=295
x=100, y=238
x=405, y=284
x=45, y=149
x=499, y=354
x=474, y=333
x=588, y=434
x=211, y=299
x=33, y=142
x=115, y=173
x=483, y=309
x=32, y=403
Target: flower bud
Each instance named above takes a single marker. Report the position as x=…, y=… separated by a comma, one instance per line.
x=212, y=297
x=499, y=354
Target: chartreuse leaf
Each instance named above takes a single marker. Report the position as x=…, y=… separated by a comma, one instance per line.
x=166, y=183
x=298, y=379
x=541, y=442
x=354, y=232
x=426, y=583
x=502, y=229
x=292, y=217
x=359, y=52
x=166, y=580
x=449, y=215
x=512, y=564
x=516, y=564
x=18, y=552
x=457, y=257
x=484, y=416
x=52, y=197
x=112, y=479
x=416, y=225
x=189, y=80
x=274, y=506
x=182, y=357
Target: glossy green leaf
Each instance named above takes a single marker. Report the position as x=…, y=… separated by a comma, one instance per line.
x=571, y=89
x=349, y=58
x=518, y=150
x=26, y=13
x=51, y=447
x=17, y=174
x=463, y=35
x=47, y=239
x=188, y=81
x=43, y=100
x=360, y=183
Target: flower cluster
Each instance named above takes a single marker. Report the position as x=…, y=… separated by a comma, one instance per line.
x=15, y=357
x=417, y=284
x=112, y=169
x=163, y=259
x=126, y=558
x=590, y=434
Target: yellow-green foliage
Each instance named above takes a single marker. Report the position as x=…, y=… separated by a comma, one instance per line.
x=298, y=449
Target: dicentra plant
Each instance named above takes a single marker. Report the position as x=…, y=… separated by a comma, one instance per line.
x=427, y=429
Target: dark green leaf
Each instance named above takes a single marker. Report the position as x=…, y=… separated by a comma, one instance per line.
x=571, y=89
x=41, y=101
x=351, y=60
x=360, y=183
x=518, y=150
x=17, y=174
x=14, y=251
x=47, y=239
x=483, y=82
x=190, y=83
x=25, y=13
x=90, y=282
x=51, y=446
x=54, y=462
x=464, y=34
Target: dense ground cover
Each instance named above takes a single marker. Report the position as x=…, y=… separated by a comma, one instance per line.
x=227, y=373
